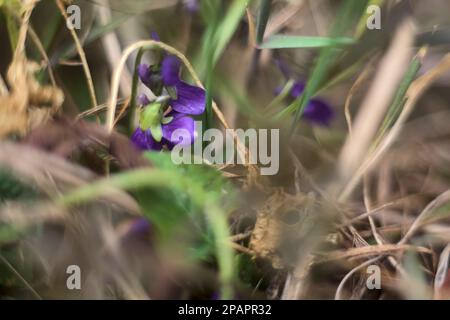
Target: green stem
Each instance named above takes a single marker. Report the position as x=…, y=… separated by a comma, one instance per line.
x=134, y=85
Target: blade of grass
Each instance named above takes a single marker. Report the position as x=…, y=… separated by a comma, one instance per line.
x=263, y=17
x=390, y=72
x=217, y=37
x=345, y=18
x=209, y=53
x=290, y=41
x=399, y=99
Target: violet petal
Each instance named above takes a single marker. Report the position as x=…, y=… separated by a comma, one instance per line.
x=170, y=69
x=145, y=74
x=318, y=112
x=185, y=135
x=297, y=89
x=190, y=99
x=144, y=140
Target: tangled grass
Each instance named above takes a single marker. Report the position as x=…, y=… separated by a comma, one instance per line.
x=367, y=191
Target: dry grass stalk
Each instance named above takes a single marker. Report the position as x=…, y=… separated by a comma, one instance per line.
x=81, y=53
x=391, y=70
x=416, y=90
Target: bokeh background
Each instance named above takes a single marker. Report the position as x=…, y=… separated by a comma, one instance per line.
x=364, y=152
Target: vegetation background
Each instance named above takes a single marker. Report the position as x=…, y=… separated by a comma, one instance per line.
x=369, y=187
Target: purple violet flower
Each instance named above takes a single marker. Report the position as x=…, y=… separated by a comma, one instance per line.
x=143, y=140
x=189, y=99
x=158, y=122
x=146, y=138
x=147, y=77
x=317, y=111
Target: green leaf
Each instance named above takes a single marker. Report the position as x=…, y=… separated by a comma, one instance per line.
x=288, y=41
x=263, y=17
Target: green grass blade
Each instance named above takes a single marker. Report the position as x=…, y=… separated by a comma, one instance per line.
x=208, y=53
x=348, y=13
x=400, y=96
x=217, y=36
x=288, y=41
x=263, y=17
